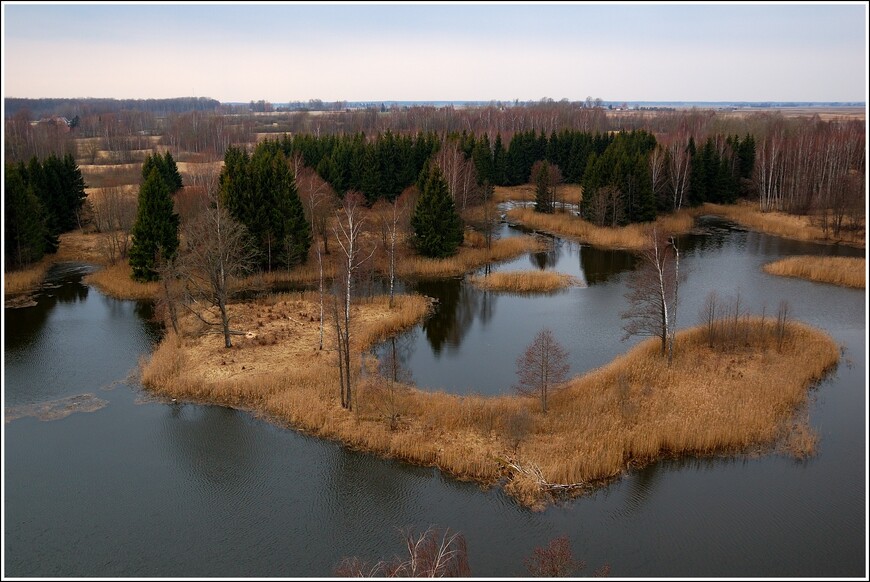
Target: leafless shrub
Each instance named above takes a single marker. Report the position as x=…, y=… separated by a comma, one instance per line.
x=435, y=553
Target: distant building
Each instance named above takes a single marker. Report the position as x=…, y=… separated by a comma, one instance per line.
x=57, y=121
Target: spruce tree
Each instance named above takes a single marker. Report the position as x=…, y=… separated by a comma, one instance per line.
x=259, y=191
x=436, y=224
x=167, y=168
x=155, y=232
x=170, y=173
x=543, y=199
x=25, y=232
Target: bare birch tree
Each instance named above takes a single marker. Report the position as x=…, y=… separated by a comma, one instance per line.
x=348, y=228
x=678, y=169
x=318, y=199
x=114, y=213
x=654, y=292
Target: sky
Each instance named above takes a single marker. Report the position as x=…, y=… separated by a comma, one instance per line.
x=437, y=52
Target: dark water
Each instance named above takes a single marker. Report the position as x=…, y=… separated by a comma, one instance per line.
x=472, y=341
x=160, y=489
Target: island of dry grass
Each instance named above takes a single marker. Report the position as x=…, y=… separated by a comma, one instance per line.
x=635, y=410
x=632, y=236
x=844, y=271
x=468, y=258
x=524, y=281
x=779, y=223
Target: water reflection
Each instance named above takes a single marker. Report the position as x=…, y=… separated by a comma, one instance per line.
x=598, y=266
x=550, y=257
x=459, y=304
x=24, y=325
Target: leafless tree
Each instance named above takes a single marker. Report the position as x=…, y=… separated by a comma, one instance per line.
x=171, y=292
x=654, y=292
x=347, y=230
x=606, y=206
x=215, y=253
x=393, y=223
x=434, y=553
x=318, y=199
x=490, y=218
x=114, y=212
x=555, y=560
x=459, y=173
x=678, y=168
x=542, y=367
x=657, y=170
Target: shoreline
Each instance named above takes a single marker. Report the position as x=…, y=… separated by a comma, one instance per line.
x=774, y=223
x=600, y=426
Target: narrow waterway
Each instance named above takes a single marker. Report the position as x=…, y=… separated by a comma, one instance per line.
x=138, y=487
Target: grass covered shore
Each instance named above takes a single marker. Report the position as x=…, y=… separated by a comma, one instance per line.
x=778, y=223
x=631, y=237
x=632, y=411
x=844, y=271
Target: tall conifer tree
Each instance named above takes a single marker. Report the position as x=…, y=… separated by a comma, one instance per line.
x=436, y=224
x=155, y=232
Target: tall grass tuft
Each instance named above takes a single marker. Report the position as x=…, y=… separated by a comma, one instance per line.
x=524, y=281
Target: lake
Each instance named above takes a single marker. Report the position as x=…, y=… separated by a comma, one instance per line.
x=145, y=487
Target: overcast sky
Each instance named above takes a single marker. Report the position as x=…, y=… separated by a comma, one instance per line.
x=438, y=52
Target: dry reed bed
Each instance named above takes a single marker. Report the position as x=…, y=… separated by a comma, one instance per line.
x=777, y=223
x=845, y=271
x=115, y=281
x=26, y=280
x=632, y=411
x=632, y=236
x=468, y=258
x=524, y=281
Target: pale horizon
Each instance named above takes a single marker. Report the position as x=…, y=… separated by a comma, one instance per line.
x=427, y=53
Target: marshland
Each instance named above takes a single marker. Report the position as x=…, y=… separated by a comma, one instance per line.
x=247, y=454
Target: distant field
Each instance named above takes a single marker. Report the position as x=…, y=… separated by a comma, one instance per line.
x=824, y=113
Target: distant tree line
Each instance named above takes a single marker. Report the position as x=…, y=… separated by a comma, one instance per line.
x=71, y=107
x=627, y=176
x=43, y=199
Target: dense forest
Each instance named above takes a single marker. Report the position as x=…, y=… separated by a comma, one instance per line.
x=632, y=165
x=43, y=199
